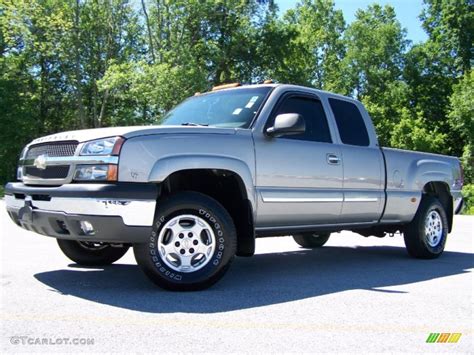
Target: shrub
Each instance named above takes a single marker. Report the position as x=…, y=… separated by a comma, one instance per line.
x=468, y=193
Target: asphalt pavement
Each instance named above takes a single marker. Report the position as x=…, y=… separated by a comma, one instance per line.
x=355, y=294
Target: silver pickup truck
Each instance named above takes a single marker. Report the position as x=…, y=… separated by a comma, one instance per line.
x=222, y=169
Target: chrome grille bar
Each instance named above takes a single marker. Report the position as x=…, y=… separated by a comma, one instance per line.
x=59, y=149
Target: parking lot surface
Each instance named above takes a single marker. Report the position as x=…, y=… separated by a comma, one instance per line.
x=355, y=294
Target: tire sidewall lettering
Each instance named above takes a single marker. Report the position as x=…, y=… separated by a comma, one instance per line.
x=216, y=259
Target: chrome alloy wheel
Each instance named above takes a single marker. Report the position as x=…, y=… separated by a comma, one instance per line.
x=186, y=243
x=433, y=228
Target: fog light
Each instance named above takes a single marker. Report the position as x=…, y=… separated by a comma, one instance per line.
x=87, y=228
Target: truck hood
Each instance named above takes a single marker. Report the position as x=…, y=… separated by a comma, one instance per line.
x=129, y=132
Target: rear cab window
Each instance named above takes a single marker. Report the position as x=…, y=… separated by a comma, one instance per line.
x=349, y=121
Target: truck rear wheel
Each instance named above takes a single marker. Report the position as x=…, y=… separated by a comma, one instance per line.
x=425, y=237
x=192, y=243
x=311, y=240
x=91, y=253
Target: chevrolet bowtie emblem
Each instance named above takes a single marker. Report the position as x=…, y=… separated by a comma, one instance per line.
x=40, y=162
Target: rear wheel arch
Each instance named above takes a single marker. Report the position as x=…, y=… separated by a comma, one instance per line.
x=440, y=190
x=425, y=237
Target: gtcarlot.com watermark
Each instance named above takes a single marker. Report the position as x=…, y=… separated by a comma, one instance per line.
x=29, y=340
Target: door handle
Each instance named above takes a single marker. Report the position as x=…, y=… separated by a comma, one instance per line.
x=333, y=159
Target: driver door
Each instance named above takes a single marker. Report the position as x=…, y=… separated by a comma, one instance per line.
x=298, y=177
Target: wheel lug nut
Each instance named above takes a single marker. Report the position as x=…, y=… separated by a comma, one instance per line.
x=191, y=250
x=182, y=251
x=181, y=235
x=190, y=235
x=176, y=244
x=195, y=242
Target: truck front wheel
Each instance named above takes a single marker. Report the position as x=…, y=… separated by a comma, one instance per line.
x=311, y=240
x=425, y=237
x=91, y=253
x=192, y=243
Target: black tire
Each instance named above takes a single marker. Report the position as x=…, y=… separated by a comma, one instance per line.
x=418, y=242
x=311, y=240
x=161, y=270
x=91, y=254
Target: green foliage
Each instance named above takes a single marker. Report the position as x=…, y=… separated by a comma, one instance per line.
x=71, y=64
x=468, y=193
x=316, y=48
x=375, y=48
x=373, y=66
x=146, y=91
x=414, y=134
x=462, y=119
x=450, y=25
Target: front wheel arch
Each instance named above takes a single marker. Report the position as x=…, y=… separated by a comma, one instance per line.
x=228, y=188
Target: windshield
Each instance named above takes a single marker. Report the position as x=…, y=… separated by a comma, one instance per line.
x=227, y=108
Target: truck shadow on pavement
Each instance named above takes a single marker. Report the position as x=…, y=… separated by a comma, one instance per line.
x=262, y=280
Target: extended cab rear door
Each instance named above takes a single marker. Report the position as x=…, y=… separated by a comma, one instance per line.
x=362, y=161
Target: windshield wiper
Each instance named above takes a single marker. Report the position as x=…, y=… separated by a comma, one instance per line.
x=193, y=124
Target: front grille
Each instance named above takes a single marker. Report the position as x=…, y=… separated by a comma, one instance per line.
x=51, y=172
x=64, y=149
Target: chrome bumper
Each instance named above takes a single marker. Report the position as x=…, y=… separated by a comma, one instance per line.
x=132, y=212
x=120, y=212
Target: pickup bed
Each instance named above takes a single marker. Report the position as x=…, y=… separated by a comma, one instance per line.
x=223, y=168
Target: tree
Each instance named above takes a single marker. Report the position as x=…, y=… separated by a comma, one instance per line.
x=70, y=64
x=450, y=27
x=434, y=67
x=32, y=80
x=414, y=134
x=144, y=92
x=462, y=118
x=190, y=45
x=317, y=48
x=373, y=65
x=107, y=33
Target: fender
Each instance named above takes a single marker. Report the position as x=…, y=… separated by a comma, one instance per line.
x=423, y=171
x=407, y=175
x=166, y=166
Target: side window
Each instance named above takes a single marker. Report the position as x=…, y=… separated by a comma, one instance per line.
x=317, y=129
x=350, y=123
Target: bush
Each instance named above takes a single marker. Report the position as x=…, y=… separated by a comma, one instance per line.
x=468, y=193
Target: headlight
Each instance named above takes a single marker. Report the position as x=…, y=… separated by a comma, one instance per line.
x=19, y=173
x=19, y=169
x=106, y=146
x=96, y=173
x=23, y=153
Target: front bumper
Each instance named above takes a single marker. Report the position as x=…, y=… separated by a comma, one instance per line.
x=119, y=213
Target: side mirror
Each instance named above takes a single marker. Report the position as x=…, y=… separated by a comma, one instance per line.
x=287, y=123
